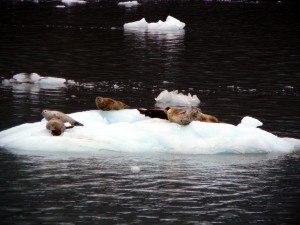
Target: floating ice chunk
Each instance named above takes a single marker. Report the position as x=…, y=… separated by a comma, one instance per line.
x=129, y=3
x=52, y=80
x=171, y=20
x=141, y=24
x=250, y=122
x=135, y=169
x=26, y=78
x=129, y=131
x=171, y=24
x=70, y=2
x=173, y=98
x=60, y=6
x=34, y=78
x=25, y=81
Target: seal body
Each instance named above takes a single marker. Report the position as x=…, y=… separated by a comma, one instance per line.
x=154, y=113
x=183, y=117
x=208, y=118
x=162, y=114
x=49, y=114
x=107, y=104
x=56, y=126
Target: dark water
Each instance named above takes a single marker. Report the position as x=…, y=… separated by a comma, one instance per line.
x=238, y=58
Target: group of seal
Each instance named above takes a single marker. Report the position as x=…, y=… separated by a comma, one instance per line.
x=56, y=119
x=173, y=114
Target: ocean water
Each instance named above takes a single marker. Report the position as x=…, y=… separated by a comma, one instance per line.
x=239, y=58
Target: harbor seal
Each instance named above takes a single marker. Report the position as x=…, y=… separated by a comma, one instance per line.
x=153, y=113
x=49, y=114
x=162, y=114
x=107, y=104
x=208, y=118
x=183, y=117
x=56, y=126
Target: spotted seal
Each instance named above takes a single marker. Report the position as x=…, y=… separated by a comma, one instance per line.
x=56, y=126
x=181, y=116
x=49, y=114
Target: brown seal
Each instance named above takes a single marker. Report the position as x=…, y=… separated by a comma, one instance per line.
x=183, y=117
x=49, y=114
x=107, y=104
x=208, y=118
x=162, y=114
x=56, y=126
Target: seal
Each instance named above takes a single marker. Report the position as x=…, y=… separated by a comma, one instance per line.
x=208, y=118
x=162, y=114
x=56, y=126
x=49, y=114
x=183, y=117
x=153, y=113
x=107, y=104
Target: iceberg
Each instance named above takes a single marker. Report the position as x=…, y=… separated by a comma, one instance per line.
x=33, y=78
x=71, y=2
x=128, y=3
x=174, y=98
x=171, y=24
x=128, y=131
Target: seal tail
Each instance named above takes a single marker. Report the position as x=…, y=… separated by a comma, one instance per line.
x=76, y=123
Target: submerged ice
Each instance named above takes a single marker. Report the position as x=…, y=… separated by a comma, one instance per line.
x=129, y=131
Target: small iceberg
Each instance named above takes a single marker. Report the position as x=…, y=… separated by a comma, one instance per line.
x=129, y=131
x=171, y=24
x=71, y=2
x=33, y=78
x=174, y=98
x=129, y=3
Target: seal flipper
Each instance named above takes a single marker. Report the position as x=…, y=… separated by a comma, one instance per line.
x=76, y=123
x=69, y=127
x=154, y=113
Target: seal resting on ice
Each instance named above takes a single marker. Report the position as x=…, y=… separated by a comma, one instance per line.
x=107, y=104
x=208, y=118
x=162, y=114
x=49, y=114
x=183, y=117
x=57, y=127
x=153, y=113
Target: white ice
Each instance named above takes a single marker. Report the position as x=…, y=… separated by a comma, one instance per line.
x=174, y=98
x=171, y=24
x=71, y=2
x=129, y=131
x=36, y=79
x=128, y=3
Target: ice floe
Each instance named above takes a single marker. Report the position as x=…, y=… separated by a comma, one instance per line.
x=129, y=3
x=129, y=131
x=71, y=2
x=171, y=24
x=22, y=79
x=174, y=98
